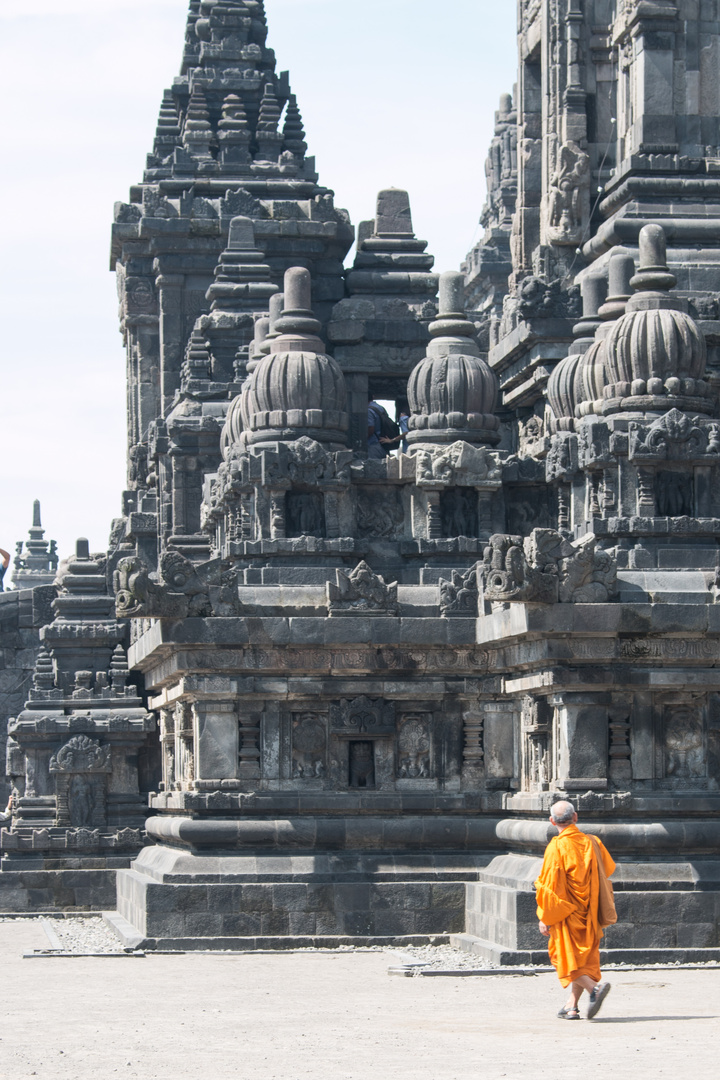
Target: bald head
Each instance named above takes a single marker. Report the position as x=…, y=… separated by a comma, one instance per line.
x=562, y=813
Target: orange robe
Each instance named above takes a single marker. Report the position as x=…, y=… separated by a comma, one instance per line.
x=567, y=902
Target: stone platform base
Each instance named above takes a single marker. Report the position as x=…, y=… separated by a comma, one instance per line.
x=180, y=899
x=40, y=884
x=668, y=911
x=131, y=939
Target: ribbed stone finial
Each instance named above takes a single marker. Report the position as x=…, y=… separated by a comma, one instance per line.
x=655, y=353
x=452, y=392
x=296, y=390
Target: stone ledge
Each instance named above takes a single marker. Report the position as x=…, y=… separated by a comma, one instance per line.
x=496, y=954
x=130, y=938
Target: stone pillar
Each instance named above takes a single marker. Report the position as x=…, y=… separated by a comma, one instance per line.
x=172, y=339
x=167, y=743
x=216, y=740
x=648, y=44
x=581, y=741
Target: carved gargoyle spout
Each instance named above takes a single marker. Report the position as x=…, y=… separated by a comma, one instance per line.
x=546, y=568
x=137, y=596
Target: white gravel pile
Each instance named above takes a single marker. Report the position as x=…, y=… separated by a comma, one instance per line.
x=438, y=958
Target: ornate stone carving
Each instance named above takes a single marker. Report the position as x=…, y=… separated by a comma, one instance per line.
x=561, y=463
x=185, y=591
x=674, y=437
x=510, y=577
x=379, y=513
x=546, y=568
x=413, y=747
x=137, y=596
x=363, y=716
x=684, y=742
x=460, y=464
x=362, y=592
x=81, y=754
x=80, y=768
x=568, y=194
x=459, y=512
x=309, y=739
x=304, y=514
x=459, y=596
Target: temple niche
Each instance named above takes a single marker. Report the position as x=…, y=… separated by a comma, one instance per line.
x=392, y=667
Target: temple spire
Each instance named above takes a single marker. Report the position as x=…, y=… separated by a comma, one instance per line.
x=293, y=131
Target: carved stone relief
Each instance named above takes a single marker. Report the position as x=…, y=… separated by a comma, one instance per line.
x=674, y=494
x=361, y=592
x=80, y=768
x=305, y=514
x=459, y=512
x=309, y=746
x=363, y=715
x=380, y=513
x=568, y=195
x=413, y=747
x=684, y=742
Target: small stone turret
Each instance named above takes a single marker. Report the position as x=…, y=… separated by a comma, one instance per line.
x=453, y=392
x=37, y=565
x=656, y=353
x=297, y=390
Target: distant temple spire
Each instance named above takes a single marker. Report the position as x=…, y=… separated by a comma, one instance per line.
x=37, y=564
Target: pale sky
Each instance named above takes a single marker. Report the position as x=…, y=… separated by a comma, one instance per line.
x=395, y=93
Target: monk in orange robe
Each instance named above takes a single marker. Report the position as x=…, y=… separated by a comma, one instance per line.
x=567, y=907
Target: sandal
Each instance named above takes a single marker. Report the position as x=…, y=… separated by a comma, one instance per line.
x=597, y=997
x=569, y=1014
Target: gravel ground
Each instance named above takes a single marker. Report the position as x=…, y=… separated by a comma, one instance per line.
x=83, y=935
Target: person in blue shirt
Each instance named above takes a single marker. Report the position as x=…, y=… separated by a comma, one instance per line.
x=402, y=418
x=402, y=415
x=379, y=446
x=4, y=555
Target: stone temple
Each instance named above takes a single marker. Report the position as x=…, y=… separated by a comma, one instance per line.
x=309, y=696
